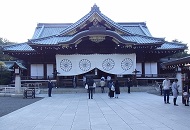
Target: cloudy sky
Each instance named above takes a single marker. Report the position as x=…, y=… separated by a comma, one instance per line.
x=164, y=18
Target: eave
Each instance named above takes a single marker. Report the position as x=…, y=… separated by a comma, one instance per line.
x=178, y=62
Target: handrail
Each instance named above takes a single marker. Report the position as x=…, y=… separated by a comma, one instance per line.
x=7, y=90
x=11, y=90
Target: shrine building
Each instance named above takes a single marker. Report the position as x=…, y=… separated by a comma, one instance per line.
x=94, y=44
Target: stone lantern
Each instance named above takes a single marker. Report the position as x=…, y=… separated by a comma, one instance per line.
x=17, y=79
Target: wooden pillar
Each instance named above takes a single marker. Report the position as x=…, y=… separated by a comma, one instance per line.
x=29, y=71
x=143, y=69
x=45, y=71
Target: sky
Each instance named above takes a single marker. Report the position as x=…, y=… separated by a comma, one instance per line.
x=167, y=19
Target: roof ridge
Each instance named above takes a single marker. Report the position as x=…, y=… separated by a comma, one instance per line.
x=137, y=23
x=120, y=27
x=41, y=30
x=42, y=38
x=16, y=44
x=163, y=39
x=52, y=24
x=67, y=28
x=143, y=30
x=181, y=43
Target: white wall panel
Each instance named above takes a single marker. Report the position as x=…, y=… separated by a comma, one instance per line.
x=151, y=68
x=139, y=68
x=37, y=70
x=49, y=70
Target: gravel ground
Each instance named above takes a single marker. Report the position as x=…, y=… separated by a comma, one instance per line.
x=10, y=104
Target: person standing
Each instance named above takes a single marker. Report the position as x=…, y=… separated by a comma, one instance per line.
x=84, y=80
x=74, y=81
x=129, y=84
x=103, y=78
x=117, y=89
x=186, y=95
x=166, y=87
x=102, y=85
x=90, y=83
x=175, y=91
x=50, y=86
x=111, y=88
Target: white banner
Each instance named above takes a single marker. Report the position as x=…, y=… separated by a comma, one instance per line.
x=120, y=64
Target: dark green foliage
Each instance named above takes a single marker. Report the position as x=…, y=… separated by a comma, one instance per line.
x=5, y=74
x=5, y=77
x=4, y=42
x=180, y=55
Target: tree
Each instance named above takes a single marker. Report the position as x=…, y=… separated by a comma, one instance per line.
x=177, y=41
x=180, y=54
x=4, y=42
x=5, y=75
x=2, y=66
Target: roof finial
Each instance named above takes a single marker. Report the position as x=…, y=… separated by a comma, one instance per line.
x=95, y=8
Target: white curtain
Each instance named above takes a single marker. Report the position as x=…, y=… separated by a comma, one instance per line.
x=151, y=68
x=139, y=68
x=50, y=70
x=37, y=70
x=68, y=65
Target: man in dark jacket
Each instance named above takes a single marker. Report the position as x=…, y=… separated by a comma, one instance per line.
x=50, y=86
x=90, y=83
x=129, y=84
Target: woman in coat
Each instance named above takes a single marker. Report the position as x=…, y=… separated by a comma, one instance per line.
x=111, y=89
x=175, y=91
x=102, y=84
x=117, y=89
x=186, y=95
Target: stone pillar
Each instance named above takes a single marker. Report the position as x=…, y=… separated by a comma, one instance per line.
x=17, y=84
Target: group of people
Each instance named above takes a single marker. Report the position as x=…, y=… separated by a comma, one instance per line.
x=90, y=85
x=166, y=88
x=114, y=87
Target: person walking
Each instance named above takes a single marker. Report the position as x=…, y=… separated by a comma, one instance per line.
x=102, y=84
x=175, y=91
x=117, y=89
x=129, y=84
x=90, y=83
x=50, y=86
x=166, y=87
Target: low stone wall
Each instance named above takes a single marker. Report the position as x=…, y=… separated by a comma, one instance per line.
x=97, y=90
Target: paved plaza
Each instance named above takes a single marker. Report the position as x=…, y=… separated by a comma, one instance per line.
x=74, y=111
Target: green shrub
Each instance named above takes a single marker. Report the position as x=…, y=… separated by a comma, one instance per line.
x=5, y=77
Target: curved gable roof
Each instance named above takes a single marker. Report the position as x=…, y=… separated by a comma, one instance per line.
x=48, y=29
x=135, y=39
x=95, y=12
